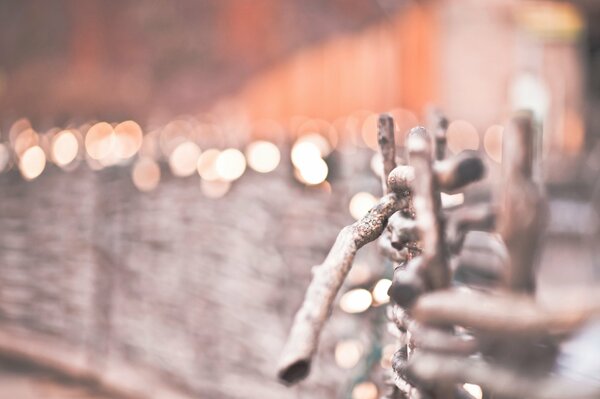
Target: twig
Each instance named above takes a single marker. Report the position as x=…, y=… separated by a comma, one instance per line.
x=502, y=314
x=427, y=206
x=387, y=148
x=432, y=368
x=455, y=173
x=327, y=280
x=438, y=124
x=524, y=210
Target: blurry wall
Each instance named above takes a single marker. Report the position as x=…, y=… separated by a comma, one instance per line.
x=166, y=292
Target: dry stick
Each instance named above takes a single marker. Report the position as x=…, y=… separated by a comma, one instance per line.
x=454, y=173
x=327, y=279
x=387, y=147
x=427, y=205
x=438, y=124
x=503, y=314
x=440, y=341
x=433, y=368
x=427, y=209
x=523, y=214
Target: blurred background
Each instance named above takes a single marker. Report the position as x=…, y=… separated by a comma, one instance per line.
x=171, y=170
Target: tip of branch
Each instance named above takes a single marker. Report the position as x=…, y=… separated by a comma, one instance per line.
x=294, y=372
x=418, y=139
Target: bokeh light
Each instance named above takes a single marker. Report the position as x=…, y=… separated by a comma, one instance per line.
x=462, y=135
x=99, y=141
x=365, y=390
x=263, y=156
x=4, y=157
x=304, y=152
x=318, y=141
x=146, y=174
x=65, y=148
x=206, y=165
x=24, y=140
x=356, y=301
x=380, y=291
x=348, y=353
x=369, y=131
x=474, y=390
x=376, y=164
x=32, y=162
x=313, y=171
x=361, y=203
x=230, y=164
x=214, y=188
x=184, y=159
x=128, y=139
x=492, y=142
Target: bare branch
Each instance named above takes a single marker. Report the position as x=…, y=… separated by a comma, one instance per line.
x=327, y=280
x=438, y=124
x=455, y=173
x=387, y=147
x=440, y=341
x=426, y=201
x=431, y=368
x=524, y=210
x=502, y=314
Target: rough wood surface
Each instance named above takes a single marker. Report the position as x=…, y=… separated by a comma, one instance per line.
x=327, y=280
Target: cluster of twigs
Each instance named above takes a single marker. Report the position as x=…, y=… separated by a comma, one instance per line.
x=495, y=335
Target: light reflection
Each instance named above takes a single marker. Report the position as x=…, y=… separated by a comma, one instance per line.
x=365, y=390
x=65, y=148
x=128, y=139
x=348, y=353
x=184, y=158
x=304, y=151
x=230, y=164
x=263, y=156
x=369, y=131
x=380, y=291
x=32, y=162
x=462, y=135
x=361, y=203
x=492, y=142
x=214, y=188
x=320, y=142
x=25, y=139
x=4, y=157
x=474, y=390
x=356, y=301
x=17, y=127
x=206, y=165
x=313, y=171
x=99, y=141
x=377, y=164
x=145, y=174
